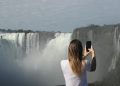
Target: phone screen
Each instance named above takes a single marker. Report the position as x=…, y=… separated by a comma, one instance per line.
x=88, y=45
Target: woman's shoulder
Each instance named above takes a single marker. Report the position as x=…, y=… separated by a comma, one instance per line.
x=63, y=61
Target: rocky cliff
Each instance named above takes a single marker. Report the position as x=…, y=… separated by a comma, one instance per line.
x=106, y=42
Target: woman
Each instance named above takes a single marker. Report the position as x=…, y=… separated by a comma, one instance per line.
x=75, y=67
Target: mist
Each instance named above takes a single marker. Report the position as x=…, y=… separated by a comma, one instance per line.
x=36, y=68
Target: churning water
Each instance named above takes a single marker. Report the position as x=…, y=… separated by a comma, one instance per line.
x=23, y=62
x=33, y=59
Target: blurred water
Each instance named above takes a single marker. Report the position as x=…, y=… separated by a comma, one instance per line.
x=38, y=67
x=33, y=59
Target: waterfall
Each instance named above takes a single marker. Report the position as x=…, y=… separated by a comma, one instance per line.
x=28, y=42
x=116, y=45
x=34, y=58
x=16, y=38
x=47, y=62
x=12, y=42
x=40, y=64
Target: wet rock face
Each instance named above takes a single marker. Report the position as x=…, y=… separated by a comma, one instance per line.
x=106, y=42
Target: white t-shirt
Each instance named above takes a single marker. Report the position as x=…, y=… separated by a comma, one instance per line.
x=70, y=78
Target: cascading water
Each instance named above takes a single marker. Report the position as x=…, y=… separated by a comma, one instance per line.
x=116, y=45
x=47, y=62
x=34, y=65
x=33, y=59
x=113, y=77
x=12, y=42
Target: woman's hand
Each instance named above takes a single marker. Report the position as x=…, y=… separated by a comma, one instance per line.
x=91, y=52
x=85, y=53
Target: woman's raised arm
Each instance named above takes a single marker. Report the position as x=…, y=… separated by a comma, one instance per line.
x=91, y=64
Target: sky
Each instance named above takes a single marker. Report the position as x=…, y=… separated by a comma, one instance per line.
x=57, y=15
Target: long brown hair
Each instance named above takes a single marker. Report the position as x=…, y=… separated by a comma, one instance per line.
x=75, y=50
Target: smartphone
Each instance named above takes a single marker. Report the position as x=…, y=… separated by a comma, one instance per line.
x=88, y=45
